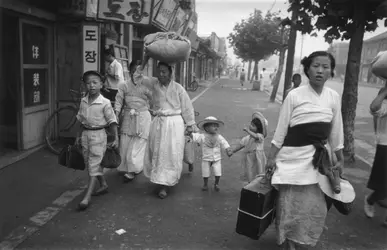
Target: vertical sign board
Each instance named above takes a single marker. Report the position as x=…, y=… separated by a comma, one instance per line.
x=35, y=65
x=90, y=47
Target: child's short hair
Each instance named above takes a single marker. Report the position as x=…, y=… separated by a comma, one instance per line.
x=205, y=126
x=258, y=124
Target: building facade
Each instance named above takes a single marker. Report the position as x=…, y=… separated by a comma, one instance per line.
x=371, y=47
x=51, y=43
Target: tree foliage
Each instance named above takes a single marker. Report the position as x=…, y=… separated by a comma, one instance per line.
x=346, y=20
x=336, y=17
x=256, y=37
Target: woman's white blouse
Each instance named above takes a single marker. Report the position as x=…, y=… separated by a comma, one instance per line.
x=304, y=105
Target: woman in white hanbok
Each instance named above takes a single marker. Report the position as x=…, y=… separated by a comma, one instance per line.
x=310, y=118
x=172, y=110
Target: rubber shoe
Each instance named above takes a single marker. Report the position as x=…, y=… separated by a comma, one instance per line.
x=369, y=210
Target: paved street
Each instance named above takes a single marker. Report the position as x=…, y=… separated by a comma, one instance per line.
x=188, y=218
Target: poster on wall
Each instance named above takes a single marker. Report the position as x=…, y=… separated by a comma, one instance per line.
x=179, y=21
x=164, y=10
x=90, y=47
x=135, y=11
x=91, y=8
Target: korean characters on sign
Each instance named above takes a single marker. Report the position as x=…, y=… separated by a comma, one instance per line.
x=131, y=11
x=90, y=47
x=36, y=84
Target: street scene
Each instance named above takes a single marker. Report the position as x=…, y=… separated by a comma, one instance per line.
x=162, y=124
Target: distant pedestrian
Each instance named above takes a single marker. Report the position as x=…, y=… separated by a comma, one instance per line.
x=212, y=143
x=378, y=178
x=114, y=75
x=95, y=115
x=254, y=158
x=243, y=77
x=296, y=80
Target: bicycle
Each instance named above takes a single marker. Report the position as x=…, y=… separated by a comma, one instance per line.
x=193, y=86
x=56, y=135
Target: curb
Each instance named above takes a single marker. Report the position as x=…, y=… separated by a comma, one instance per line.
x=277, y=100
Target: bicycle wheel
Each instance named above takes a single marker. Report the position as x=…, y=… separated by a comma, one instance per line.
x=59, y=130
x=194, y=85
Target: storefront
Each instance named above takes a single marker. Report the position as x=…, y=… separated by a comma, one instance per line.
x=26, y=73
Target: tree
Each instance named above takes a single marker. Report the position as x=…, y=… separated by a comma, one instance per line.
x=276, y=80
x=256, y=37
x=348, y=20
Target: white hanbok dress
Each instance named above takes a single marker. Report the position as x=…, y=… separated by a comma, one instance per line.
x=163, y=161
x=301, y=206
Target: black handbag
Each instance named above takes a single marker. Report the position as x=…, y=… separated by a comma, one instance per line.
x=111, y=159
x=71, y=157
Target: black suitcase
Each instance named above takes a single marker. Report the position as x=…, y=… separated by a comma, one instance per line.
x=256, y=208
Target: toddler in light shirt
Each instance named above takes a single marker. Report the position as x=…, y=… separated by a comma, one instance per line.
x=212, y=143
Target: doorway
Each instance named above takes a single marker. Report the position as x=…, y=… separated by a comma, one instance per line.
x=9, y=82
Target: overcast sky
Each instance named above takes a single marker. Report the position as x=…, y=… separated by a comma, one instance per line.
x=220, y=16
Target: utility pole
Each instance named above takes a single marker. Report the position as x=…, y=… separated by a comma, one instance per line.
x=291, y=50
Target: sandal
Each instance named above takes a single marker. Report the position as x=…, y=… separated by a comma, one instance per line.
x=163, y=194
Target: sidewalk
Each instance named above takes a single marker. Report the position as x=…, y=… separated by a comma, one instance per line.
x=190, y=218
x=31, y=184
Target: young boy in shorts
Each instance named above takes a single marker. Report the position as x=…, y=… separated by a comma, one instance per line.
x=95, y=115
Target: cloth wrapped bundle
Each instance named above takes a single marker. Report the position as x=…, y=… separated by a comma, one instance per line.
x=168, y=47
x=379, y=65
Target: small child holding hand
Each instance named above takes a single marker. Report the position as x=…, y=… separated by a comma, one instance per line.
x=254, y=158
x=212, y=143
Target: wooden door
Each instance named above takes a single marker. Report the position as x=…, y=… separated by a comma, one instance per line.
x=36, y=81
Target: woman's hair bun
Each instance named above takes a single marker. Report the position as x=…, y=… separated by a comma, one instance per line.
x=304, y=60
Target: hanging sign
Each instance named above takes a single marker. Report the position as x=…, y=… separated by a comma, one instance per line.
x=135, y=11
x=90, y=47
x=164, y=12
x=179, y=21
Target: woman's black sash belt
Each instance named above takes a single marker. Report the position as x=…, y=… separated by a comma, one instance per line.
x=315, y=134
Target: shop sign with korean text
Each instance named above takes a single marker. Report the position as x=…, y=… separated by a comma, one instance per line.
x=128, y=11
x=164, y=11
x=179, y=21
x=35, y=56
x=90, y=47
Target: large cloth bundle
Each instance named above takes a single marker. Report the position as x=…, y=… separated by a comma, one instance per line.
x=256, y=208
x=379, y=65
x=168, y=47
